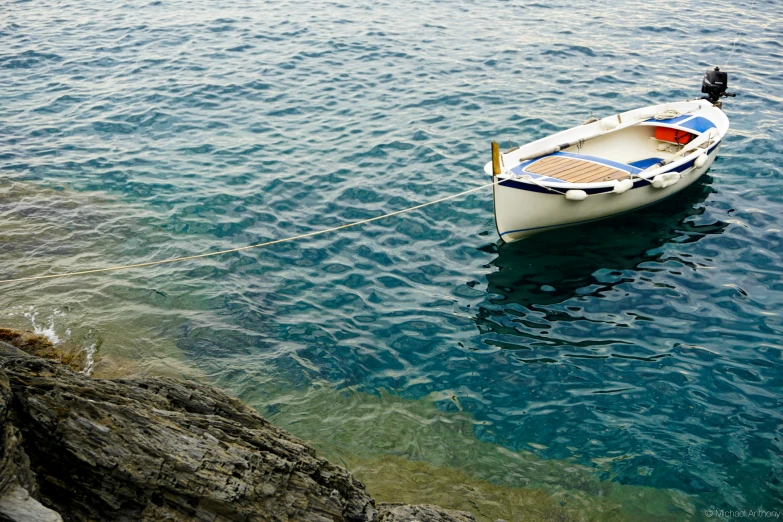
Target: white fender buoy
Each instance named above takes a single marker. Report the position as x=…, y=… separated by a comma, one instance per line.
x=665, y=180
x=622, y=186
x=609, y=123
x=700, y=161
x=576, y=195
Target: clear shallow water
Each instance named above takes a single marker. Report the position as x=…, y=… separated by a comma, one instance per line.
x=645, y=350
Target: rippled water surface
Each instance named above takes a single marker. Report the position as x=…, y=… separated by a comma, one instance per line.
x=629, y=370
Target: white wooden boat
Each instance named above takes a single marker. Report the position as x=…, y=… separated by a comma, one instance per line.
x=605, y=167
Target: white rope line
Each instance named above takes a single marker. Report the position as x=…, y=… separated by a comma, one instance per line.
x=249, y=247
x=752, y=5
x=668, y=114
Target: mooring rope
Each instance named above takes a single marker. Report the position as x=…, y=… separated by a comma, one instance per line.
x=249, y=247
x=750, y=12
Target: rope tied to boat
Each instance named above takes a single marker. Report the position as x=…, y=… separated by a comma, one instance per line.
x=530, y=179
x=667, y=114
x=250, y=247
x=739, y=35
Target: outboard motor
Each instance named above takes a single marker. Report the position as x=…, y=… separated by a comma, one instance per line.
x=714, y=85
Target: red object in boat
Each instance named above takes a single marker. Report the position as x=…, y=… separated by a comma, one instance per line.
x=673, y=135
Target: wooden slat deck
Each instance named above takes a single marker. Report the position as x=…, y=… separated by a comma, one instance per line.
x=575, y=170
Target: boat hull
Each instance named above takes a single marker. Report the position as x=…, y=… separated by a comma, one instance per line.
x=523, y=209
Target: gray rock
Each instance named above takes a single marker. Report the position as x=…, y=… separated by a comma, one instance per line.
x=157, y=449
x=16, y=505
x=10, y=350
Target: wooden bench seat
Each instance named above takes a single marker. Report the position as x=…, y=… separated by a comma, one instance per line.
x=575, y=170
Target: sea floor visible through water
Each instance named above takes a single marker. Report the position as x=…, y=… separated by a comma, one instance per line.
x=628, y=370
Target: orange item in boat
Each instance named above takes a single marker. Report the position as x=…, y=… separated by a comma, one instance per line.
x=673, y=135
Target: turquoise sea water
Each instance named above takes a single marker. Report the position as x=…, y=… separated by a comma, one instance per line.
x=645, y=350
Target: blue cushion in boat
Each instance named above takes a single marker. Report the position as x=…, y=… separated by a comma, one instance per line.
x=697, y=124
x=693, y=123
x=643, y=164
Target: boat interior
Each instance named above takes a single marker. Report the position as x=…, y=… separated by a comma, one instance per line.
x=617, y=155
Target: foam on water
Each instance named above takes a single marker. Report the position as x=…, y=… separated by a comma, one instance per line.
x=90, y=351
x=46, y=331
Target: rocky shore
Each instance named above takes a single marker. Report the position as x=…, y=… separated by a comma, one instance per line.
x=74, y=448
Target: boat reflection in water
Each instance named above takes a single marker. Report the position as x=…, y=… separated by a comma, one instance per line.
x=586, y=333
x=554, y=267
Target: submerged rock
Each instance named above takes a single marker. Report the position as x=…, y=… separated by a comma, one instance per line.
x=405, y=513
x=158, y=449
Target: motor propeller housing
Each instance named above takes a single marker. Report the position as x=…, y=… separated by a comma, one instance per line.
x=714, y=85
